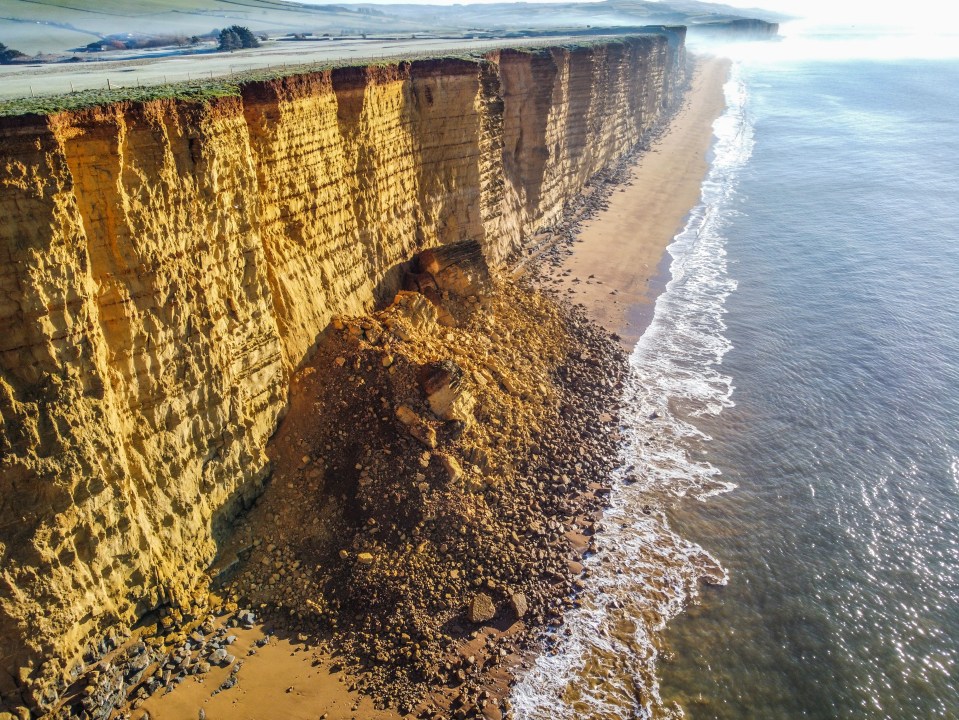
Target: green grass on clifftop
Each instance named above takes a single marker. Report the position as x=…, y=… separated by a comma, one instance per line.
x=196, y=91
x=205, y=90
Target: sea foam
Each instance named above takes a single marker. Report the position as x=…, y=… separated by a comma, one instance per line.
x=602, y=662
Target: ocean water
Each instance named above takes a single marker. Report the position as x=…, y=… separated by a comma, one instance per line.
x=784, y=539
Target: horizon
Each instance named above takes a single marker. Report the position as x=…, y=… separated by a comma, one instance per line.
x=820, y=11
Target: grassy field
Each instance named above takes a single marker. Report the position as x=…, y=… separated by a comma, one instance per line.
x=59, y=25
x=50, y=26
x=198, y=90
x=203, y=90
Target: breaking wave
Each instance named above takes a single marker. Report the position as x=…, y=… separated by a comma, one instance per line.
x=602, y=662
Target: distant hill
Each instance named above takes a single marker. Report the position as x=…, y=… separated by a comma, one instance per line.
x=56, y=26
x=520, y=15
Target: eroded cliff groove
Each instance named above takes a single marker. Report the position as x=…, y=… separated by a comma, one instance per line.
x=165, y=265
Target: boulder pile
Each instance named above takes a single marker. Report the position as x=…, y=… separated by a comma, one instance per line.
x=441, y=465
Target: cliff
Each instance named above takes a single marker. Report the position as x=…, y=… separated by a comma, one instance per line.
x=165, y=265
x=735, y=29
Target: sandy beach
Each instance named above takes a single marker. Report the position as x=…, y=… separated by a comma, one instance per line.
x=612, y=271
x=617, y=258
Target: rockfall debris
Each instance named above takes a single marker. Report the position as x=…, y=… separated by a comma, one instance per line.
x=435, y=480
x=441, y=464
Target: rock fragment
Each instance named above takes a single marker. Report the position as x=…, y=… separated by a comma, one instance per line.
x=452, y=467
x=416, y=426
x=518, y=604
x=481, y=609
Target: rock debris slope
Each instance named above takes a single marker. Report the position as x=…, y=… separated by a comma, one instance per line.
x=165, y=266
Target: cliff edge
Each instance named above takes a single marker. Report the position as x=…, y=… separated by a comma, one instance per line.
x=165, y=266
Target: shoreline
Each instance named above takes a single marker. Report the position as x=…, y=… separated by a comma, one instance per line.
x=297, y=678
x=618, y=264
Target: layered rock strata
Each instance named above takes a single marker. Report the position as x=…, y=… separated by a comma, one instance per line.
x=164, y=266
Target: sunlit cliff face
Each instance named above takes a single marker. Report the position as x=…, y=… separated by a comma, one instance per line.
x=169, y=262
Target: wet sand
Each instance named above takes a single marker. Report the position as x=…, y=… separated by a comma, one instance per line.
x=613, y=271
x=619, y=254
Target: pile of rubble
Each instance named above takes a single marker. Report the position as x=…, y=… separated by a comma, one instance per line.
x=437, y=474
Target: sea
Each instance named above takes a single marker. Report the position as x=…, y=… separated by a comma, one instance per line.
x=783, y=537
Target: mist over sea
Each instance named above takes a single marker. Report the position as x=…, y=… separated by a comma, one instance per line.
x=796, y=429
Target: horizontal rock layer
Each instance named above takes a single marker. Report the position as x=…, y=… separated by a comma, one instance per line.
x=165, y=265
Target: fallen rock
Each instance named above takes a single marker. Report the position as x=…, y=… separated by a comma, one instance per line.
x=518, y=602
x=452, y=467
x=482, y=609
x=459, y=268
x=416, y=426
x=445, y=390
x=421, y=314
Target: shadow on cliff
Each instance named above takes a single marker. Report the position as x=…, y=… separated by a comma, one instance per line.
x=458, y=267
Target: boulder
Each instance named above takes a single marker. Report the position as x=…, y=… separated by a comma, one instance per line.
x=445, y=390
x=459, y=268
x=482, y=609
x=519, y=605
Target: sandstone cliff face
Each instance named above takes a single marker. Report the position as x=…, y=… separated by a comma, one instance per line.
x=163, y=267
x=141, y=369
